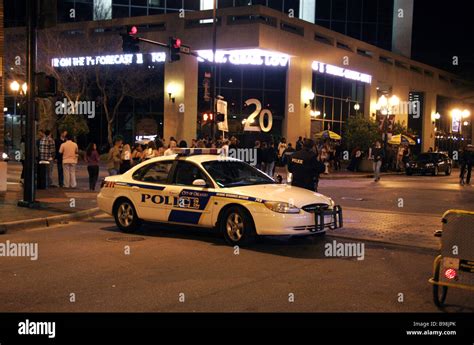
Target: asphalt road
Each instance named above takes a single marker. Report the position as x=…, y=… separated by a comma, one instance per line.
x=178, y=269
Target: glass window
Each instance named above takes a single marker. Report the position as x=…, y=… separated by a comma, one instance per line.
x=174, y=4
x=323, y=9
x=156, y=3
x=354, y=11
x=328, y=89
x=138, y=11
x=84, y=11
x=276, y=4
x=370, y=11
x=138, y=2
x=120, y=12
x=154, y=172
x=230, y=76
x=225, y=3
x=339, y=8
x=120, y=2
x=275, y=78
x=259, y=2
x=253, y=77
x=328, y=108
x=354, y=30
x=338, y=26
x=293, y=5
x=186, y=173
x=369, y=33
x=235, y=174
x=242, y=3
x=191, y=5
x=152, y=11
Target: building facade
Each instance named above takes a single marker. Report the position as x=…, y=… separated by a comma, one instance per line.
x=280, y=76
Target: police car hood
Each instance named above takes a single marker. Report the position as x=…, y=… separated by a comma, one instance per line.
x=280, y=192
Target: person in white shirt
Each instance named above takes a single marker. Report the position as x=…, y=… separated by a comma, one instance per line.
x=69, y=151
x=172, y=146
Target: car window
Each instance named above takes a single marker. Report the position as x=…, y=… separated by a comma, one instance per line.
x=156, y=172
x=186, y=173
x=235, y=174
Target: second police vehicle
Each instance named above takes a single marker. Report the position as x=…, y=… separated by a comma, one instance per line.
x=200, y=187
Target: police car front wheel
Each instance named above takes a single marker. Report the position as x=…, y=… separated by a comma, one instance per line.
x=237, y=226
x=125, y=216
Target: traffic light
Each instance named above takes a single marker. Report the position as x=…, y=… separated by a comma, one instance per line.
x=175, y=49
x=205, y=118
x=129, y=42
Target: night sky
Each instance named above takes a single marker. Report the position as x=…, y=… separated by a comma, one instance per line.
x=442, y=29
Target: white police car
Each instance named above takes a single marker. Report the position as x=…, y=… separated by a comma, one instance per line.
x=200, y=187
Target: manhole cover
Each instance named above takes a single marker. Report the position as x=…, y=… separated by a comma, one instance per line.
x=125, y=239
x=352, y=198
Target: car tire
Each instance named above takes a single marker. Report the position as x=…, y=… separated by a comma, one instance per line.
x=126, y=216
x=448, y=171
x=435, y=171
x=237, y=226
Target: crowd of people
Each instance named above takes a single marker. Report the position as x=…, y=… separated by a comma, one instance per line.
x=303, y=162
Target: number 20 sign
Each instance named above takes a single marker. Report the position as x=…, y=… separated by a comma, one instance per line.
x=261, y=121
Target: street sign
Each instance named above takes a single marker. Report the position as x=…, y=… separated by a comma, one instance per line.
x=222, y=109
x=184, y=49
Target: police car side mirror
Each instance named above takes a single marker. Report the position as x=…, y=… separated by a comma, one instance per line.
x=199, y=183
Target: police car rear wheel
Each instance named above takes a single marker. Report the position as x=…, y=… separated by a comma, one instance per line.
x=237, y=227
x=126, y=217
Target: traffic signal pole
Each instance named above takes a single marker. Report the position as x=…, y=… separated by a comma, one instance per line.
x=29, y=189
x=214, y=68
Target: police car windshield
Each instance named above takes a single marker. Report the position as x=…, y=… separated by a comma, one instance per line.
x=235, y=174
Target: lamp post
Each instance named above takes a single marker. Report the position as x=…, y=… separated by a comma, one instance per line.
x=385, y=106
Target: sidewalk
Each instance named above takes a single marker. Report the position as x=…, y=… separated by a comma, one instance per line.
x=70, y=203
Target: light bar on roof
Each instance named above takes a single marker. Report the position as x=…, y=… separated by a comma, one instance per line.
x=196, y=151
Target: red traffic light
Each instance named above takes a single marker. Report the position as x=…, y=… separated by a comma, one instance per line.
x=177, y=43
x=133, y=30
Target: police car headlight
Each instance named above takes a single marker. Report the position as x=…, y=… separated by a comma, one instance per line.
x=281, y=207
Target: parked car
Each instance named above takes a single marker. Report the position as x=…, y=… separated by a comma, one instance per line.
x=430, y=163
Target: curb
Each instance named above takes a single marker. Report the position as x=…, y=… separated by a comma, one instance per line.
x=45, y=222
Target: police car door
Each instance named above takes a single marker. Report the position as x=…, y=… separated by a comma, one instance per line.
x=191, y=204
x=147, y=190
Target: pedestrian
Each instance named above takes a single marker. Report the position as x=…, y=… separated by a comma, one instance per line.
x=225, y=148
x=269, y=158
x=92, y=159
x=324, y=157
x=286, y=157
x=171, y=147
x=299, y=144
x=258, y=154
x=400, y=153
x=467, y=160
x=59, y=157
x=126, y=159
x=47, y=152
x=281, y=148
x=114, y=156
x=376, y=154
x=137, y=154
x=22, y=158
x=183, y=144
x=305, y=167
x=337, y=156
x=70, y=152
x=150, y=151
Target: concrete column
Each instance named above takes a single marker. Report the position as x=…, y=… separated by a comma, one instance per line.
x=297, y=120
x=180, y=117
x=402, y=27
x=428, y=126
x=308, y=10
x=370, y=101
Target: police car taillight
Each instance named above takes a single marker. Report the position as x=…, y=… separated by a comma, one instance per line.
x=450, y=273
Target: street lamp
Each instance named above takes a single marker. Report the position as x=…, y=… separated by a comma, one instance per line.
x=385, y=106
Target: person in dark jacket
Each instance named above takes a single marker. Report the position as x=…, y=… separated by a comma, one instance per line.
x=467, y=159
x=59, y=157
x=305, y=167
x=376, y=154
